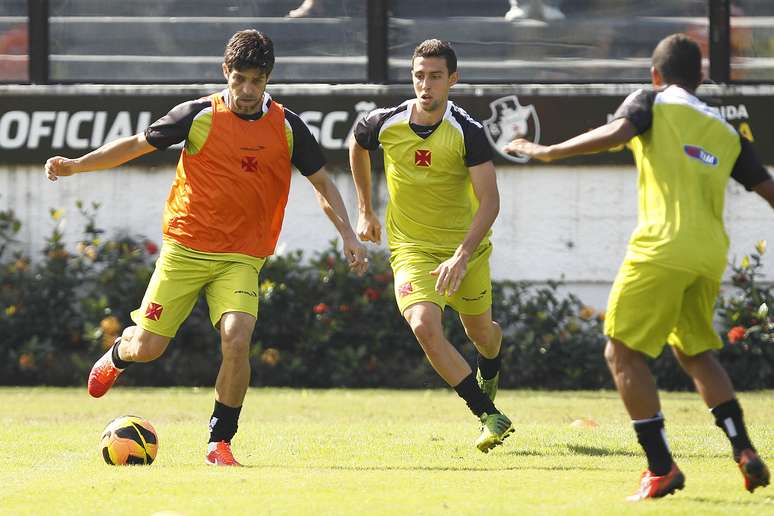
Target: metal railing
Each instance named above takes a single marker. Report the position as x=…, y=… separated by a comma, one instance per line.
x=377, y=47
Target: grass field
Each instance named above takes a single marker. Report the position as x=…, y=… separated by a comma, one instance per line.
x=365, y=452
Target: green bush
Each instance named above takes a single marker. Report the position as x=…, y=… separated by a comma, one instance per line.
x=319, y=325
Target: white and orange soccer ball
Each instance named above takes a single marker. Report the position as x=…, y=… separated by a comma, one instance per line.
x=129, y=440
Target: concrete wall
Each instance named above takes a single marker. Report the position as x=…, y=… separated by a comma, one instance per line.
x=570, y=222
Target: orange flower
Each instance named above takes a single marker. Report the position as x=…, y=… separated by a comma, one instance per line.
x=321, y=308
x=110, y=325
x=586, y=313
x=107, y=340
x=26, y=361
x=270, y=356
x=21, y=264
x=736, y=334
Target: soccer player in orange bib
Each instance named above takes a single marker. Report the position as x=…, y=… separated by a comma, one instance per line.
x=666, y=288
x=222, y=220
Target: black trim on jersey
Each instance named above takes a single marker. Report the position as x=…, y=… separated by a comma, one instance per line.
x=748, y=170
x=637, y=108
x=174, y=127
x=477, y=148
x=424, y=131
x=367, y=129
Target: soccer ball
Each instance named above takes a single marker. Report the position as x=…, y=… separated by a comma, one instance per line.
x=129, y=440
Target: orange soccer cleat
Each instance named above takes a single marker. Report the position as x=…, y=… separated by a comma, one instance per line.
x=219, y=454
x=754, y=471
x=652, y=486
x=103, y=375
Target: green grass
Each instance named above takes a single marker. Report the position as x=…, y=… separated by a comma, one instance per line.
x=365, y=452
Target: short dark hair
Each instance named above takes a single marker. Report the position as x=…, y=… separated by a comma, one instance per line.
x=249, y=49
x=436, y=48
x=678, y=59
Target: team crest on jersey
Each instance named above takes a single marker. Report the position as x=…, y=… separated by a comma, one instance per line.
x=511, y=120
x=700, y=154
x=423, y=158
x=153, y=311
x=249, y=163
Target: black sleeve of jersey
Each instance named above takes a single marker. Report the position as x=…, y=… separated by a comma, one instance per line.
x=637, y=109
x=367, y=129
x=748, y=170
x=307, y=155
x=173, y=127
x=477, y=148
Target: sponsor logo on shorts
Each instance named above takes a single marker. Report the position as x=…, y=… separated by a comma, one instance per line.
x=480, y=296
x=700, y=154
x=250, y=293
x=153, y=311
x=405, y=289
x=249, y=163
x=423, y=158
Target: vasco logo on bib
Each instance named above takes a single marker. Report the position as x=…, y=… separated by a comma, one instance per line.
x=700, y=154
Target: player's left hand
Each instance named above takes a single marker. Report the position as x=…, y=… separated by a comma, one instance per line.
x=450, y=274
x=522, y=147
x=356, y=255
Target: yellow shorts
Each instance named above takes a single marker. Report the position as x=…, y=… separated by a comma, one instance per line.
x=651, y=305
x=230, y=283
x=414, y=284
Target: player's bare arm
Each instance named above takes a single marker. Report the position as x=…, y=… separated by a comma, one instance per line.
x=368, y=227
x=600, y=139
x=109, y=155
x=331, y=203
x=766, y=190
x=451, y=272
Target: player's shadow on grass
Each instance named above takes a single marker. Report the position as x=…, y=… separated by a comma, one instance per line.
x=453, y=468
x=600, y=452
x=620, y=452
x=740, y=503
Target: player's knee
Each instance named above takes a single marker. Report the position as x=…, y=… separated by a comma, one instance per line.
x=486, y=337
x=691, y=363
x=428, y=335
x=235, y=346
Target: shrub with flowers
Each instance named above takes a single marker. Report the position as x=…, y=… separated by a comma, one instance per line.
x=746, y=326
x=319, y=325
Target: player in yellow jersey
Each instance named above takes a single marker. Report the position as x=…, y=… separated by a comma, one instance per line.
x=666, y=289
x=443, y=201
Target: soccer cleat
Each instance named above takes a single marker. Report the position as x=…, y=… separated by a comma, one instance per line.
x=219, y=454
x=652, y=486
x=754, y=471
x=494, y=429
x=103, y=374
x=488, y=386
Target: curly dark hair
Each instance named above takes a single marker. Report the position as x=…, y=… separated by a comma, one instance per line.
x=249, y=49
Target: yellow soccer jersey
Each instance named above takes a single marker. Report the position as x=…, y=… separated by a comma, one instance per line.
x=432, y=202
x=685, y=153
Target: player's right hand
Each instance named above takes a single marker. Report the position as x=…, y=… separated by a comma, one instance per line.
x=522, y=147
x=368, y=228
x=58, y=166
